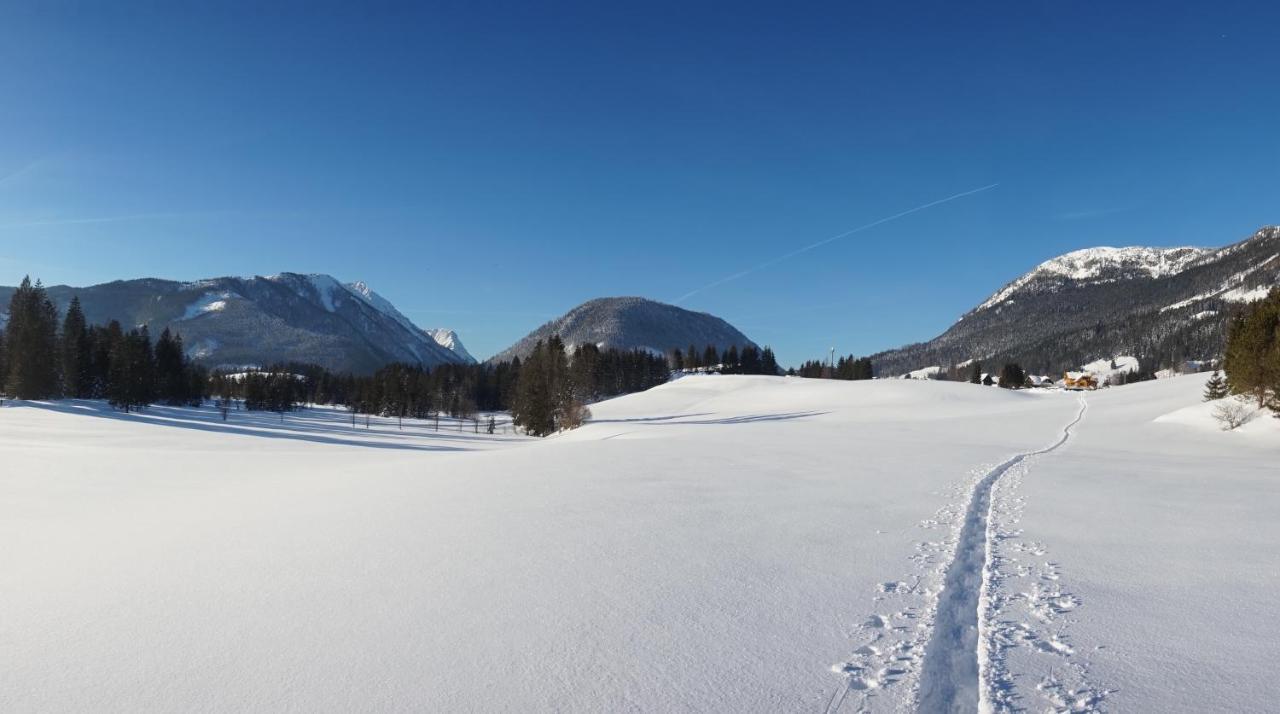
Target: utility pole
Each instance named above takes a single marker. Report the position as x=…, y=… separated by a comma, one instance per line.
x=831, y=364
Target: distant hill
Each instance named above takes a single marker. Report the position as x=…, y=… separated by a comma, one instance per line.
x=1163, y=304
x=259, y=320
x=632, y=323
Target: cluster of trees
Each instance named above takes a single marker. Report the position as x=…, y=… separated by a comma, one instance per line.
x=1013, y=376
x=40, y=360
x=1252, y=356
x=848, y=368
x=748, y=360
x=554, y=387
x=546, y=392
x=394, y=390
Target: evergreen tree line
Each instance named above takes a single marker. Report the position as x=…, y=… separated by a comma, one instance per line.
x=847, y=368
x=39, y=360
x=748, y=360
x=1252, y=355
x=394, y=390
x=554, y=387
x=546, y=392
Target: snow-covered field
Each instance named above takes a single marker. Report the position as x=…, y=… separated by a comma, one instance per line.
x=716, y=544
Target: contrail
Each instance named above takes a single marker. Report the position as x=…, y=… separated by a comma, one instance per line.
x=109, y=219
x=825, y=241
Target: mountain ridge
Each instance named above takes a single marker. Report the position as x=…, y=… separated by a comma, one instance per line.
x=238, y=321
x=1165, y=304
x=631, y=322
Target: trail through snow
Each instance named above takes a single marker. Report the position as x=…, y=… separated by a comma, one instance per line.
x=952, y=674
x=954, y=667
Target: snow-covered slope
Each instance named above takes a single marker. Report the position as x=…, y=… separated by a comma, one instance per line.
x=449, y=340
x=1162, y=304
x=258, y=320
x=1100, y=265
x=718, y=544
x=632, y=323
x=444, y=337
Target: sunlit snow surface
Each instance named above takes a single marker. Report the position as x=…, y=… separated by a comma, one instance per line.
x=716, y=544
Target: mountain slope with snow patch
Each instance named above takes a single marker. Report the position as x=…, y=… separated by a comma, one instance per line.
x=1161, y=304
x=264, y=319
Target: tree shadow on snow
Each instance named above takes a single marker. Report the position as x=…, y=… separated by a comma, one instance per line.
x=680, y=419
x=320, y=428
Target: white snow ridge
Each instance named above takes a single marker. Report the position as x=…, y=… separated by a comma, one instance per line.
x=1091, y=264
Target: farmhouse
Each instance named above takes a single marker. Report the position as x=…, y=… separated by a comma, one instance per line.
x=1079, y=380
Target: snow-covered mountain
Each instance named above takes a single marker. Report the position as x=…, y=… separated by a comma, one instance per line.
x=632, y=323
x=1162, y=304
x=259, y=320
x=449, y=340
x=444, y=337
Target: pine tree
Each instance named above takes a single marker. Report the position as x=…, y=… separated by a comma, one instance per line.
x=1012, y=376
x=560, y=382
x=768, y=362
x=76, y=355
x=31, y=338
x=731, y=361
x=172, y=383
x=1252, y=355
x=975, y=374
x=531, y=409
x=584, y=372
x=710, y=357
x=1215, y=387
x=131, y=377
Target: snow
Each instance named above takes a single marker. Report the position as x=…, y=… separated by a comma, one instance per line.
x=1246, y=294
x=1147, y=559
x=1231, y=289
x=361, y=290
x=204, y=348
x=208, y=302
x=449, y=340
x=924, y=373
x=720, y=543
x=1089, y=263
x=325, y=287
x=1101, y=368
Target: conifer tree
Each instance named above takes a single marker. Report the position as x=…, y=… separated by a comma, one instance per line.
x=172, y=383
x=768, y=362
x=76, y=353
x=532, y=409
x=975, y=374
x=1215, y=387
x=710, y=357
x=1252, y=355
x=130, y=383
x=31, y=339
x=1012, y=376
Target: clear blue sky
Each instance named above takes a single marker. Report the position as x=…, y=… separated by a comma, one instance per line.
x=488, y=166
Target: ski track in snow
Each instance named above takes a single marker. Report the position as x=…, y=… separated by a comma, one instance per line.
x=943, y=638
